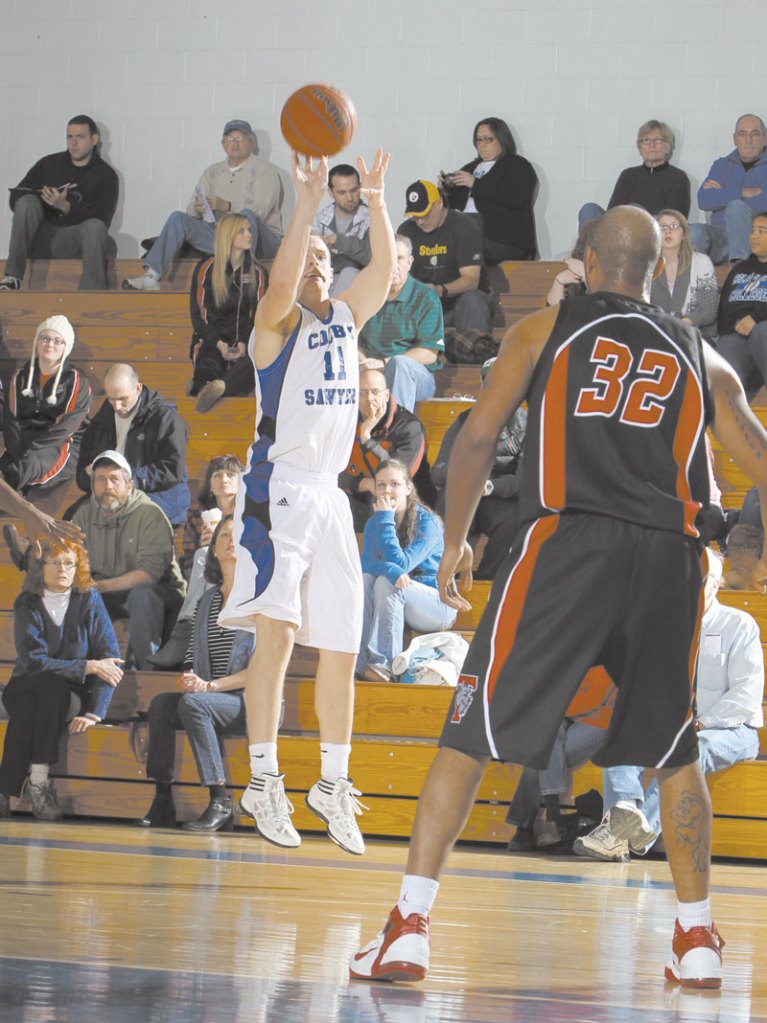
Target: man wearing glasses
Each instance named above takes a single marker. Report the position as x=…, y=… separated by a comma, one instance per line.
x=242, y=183
x=654, y=185
x=734, y=190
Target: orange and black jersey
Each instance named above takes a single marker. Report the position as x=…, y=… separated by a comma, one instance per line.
x=617, y=414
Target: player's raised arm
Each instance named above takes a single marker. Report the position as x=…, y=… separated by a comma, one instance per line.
x=741, y=434
x=474, y=451
x=276, y=314
x=368, y=291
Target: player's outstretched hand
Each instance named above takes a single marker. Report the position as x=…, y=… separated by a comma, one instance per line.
x=455, y=561
x=372, y=181
x=310, y=179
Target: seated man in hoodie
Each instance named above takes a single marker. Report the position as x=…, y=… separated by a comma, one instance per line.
x=149, y=432
x=384, y=431
x=130, y=545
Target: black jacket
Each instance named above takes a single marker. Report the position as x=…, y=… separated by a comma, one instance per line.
x=504, y=196
x=155, y=448
x=233, y=321
x=94, y=191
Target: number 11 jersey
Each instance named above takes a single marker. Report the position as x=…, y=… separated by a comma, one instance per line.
x=307, y=399
x=617, y=413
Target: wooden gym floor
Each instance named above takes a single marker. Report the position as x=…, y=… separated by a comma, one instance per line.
x=112, y=923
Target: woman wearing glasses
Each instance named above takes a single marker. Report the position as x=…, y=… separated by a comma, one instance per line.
x=499, y=185
x=43, y=413
x=654, y=185
x=686, y=284
x=67, y=665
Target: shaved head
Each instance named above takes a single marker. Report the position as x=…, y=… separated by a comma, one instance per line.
x=625, y=243
x=123, y=372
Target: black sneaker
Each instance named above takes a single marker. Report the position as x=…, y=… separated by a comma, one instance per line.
x=9, y=283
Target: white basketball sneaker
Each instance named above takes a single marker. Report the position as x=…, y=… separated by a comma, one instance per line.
x=265, y=801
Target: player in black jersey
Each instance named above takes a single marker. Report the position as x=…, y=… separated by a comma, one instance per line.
x=619, y=395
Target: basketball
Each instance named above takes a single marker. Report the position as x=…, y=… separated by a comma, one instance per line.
x=318, y=120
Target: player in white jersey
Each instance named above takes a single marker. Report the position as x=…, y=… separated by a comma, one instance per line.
x=298, y=573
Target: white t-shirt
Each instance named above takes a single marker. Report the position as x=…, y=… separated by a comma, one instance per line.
x=479, y=172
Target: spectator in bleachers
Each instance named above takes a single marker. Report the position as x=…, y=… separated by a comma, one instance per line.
x=130, y=544
x=215, y=500
x=344, y=225
x=571, y=281
x=743, y=312
x=499, y=188
x=62, y=209
x=405, y=338
x=655, y=184
x=686, y=285
x=136, y=421
x=225, y=291
x=67, y=665
x=384, y=431
x=733, y=192
x=242, y=183
x=401, y=548
x=210, y=703
x=447, y=256
x=728, y=705
x=580, y=735
x=497, y=514
x=44, y=412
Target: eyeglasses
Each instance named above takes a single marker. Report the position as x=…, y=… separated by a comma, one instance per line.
x=669, y=227
x=756, y=134
x=68, y=565
x=484, y=138
x=234, y=138
x=57, y=342
x=372, y=392
x=654, y=141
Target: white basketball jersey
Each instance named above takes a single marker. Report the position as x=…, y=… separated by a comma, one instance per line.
x=307, y=399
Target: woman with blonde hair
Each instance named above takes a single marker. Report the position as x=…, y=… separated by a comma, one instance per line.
x=226, y=288
x=686, y=284
x=67, y=665
x=43, y=413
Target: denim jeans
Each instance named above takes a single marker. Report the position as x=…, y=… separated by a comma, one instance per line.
x=409, y=381
x=471, y=310
x=747, y=356
x=728, y=241
x=576, y=743
x=33, y=235
x=718, y=748
x=388, y=610
x=588, y=212
x=205, y=717
x=180, y=228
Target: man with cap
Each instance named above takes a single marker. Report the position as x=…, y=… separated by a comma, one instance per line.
x=242, y=183
x=62, y=209
x=447, y=255
x=43, y=413
x=130, y=546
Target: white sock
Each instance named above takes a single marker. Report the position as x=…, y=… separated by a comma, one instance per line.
x=694, y=914
x=38, y=773
x=417, y=895
x=263, y=758
x=334, y=758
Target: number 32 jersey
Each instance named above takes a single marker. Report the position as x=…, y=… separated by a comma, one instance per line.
x=617, y=414
x=307, y=399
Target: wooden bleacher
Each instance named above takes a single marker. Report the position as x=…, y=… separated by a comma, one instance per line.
x=99, y=774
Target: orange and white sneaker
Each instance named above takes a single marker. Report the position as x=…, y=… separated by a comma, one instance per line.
x=696, y=957
x=399, y=952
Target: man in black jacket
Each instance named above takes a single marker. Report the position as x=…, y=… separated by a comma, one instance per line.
x=149, y=432
x=62, y=209
x=384, y=431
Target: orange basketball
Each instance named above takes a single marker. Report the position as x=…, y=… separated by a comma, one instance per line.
x=318, y=120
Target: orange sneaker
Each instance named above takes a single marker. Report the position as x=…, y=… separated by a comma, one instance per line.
x=399, y=952
x=696, y=957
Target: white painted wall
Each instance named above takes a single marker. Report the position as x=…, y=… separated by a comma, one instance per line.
x=574, y=79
